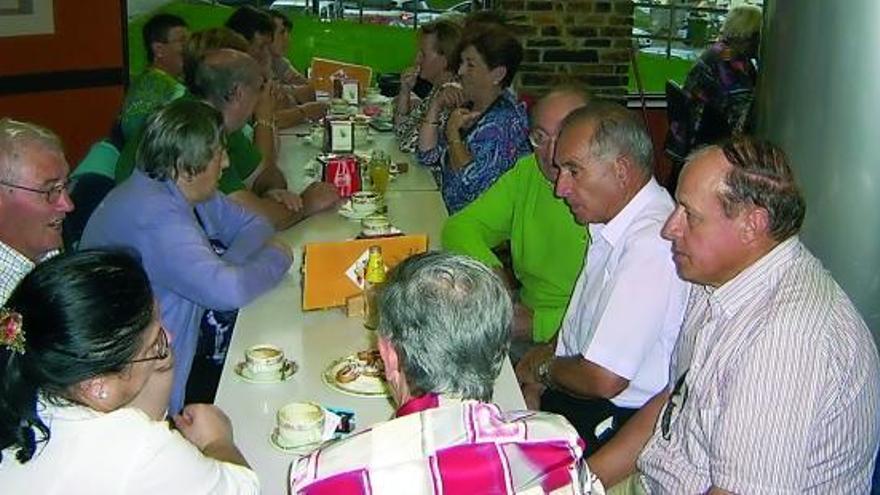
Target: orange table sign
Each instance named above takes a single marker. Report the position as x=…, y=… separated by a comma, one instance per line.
x=325, y=281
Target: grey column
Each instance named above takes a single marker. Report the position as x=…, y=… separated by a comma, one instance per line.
x=818, y=95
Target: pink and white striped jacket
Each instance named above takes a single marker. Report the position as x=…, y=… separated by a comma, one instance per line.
x=437, y=445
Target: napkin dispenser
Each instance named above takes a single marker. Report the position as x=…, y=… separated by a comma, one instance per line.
x=347, y=89
x=338, y=136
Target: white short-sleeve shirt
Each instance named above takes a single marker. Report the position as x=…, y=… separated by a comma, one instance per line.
x=626, y=309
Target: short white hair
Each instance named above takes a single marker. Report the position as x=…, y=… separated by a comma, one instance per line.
x=742, y=22
x=16, y=137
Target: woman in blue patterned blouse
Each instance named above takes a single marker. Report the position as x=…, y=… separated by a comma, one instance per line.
x=485, y=129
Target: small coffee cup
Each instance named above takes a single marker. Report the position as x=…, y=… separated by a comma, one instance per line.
x=376, y=224
x=364, y=201
x=264, y=360
x=298, y=424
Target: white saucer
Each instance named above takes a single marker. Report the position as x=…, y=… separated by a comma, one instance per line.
x=288, y=370
x=299, y=450
x=349, y=213
x=385, y=233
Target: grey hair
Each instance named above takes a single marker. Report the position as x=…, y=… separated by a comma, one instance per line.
x=569, y=89
x=760, y=176
x=742, y=23
x=448, y=317
x=181, y=138
x=219, y=72
x=16, y=137
x=618, y=132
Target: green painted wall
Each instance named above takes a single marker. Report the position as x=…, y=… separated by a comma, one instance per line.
x=384, y=48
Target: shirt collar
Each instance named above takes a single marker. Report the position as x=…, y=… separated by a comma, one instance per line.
x=418, y=404
x=169, y=185
x=755, y=279
x=614, y=230
x=19, y=262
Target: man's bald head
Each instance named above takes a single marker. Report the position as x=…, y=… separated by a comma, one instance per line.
x=220, y=73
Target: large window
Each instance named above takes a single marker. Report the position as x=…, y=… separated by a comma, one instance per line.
x=671, y=34
x=403, y=13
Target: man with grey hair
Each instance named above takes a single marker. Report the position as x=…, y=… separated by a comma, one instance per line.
x=33, y=199
x=232, y=82
x=776, y=382
x=612, y=353
x=444, y=332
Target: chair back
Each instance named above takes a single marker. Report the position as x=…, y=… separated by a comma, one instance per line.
x=678, y=137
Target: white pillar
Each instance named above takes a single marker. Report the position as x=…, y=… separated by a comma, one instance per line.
x=819, y=98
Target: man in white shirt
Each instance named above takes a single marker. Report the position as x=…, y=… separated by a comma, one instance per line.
x=33, y=199
x=612, y=352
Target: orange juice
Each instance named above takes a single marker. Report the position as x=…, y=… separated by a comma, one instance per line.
x=380, y=176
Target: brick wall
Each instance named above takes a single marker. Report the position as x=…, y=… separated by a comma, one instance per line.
x=579, y=41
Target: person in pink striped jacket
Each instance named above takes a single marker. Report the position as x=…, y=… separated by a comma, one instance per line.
x=444, y=333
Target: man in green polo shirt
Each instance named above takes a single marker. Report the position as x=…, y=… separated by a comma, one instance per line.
x=164, y=38
x=232, y=82
x=546, y=243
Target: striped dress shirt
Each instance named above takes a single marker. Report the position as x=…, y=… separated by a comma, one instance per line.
x=781, y=387
x=446, y=446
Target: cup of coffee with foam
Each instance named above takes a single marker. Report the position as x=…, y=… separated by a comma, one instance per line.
x=264, y=361
x=299, y=424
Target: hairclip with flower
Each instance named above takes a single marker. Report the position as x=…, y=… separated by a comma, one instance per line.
x=11, y=330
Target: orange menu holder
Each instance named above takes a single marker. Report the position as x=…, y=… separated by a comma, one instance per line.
x=324, y=70
x=325, y=281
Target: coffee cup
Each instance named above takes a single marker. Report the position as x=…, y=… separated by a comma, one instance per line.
x=364, y=202
x=264, y=360
x=298, y=424
x=376, y=224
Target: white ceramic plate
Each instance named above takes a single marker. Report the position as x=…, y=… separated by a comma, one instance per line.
x=358, y=388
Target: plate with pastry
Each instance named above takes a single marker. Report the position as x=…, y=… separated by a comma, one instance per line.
x=361, y=374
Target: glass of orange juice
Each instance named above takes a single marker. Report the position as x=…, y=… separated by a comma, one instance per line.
x=380, y=173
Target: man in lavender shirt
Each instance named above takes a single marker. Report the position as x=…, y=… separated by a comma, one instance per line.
x=169, y=210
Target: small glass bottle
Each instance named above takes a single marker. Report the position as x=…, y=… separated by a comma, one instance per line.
x=374, y=279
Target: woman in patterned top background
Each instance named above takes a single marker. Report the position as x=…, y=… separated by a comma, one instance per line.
x=487, y=129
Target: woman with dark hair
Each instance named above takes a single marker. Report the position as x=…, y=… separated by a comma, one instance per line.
x=487, y=129
x=86, y=374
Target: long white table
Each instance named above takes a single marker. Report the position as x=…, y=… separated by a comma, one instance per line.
x=315, y=338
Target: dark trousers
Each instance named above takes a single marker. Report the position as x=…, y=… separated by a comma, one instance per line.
x=586, y=414
x=215, y=333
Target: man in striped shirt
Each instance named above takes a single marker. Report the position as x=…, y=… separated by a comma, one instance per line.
x=444, y=334
x=775, y=381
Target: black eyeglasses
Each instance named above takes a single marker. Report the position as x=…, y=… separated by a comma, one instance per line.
x=676, y=400
x=53, y=193
x=163, y=350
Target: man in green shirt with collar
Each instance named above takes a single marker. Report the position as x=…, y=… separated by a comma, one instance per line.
x=546, y=243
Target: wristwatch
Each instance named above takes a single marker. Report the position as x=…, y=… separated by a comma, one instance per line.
x=544, y=372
